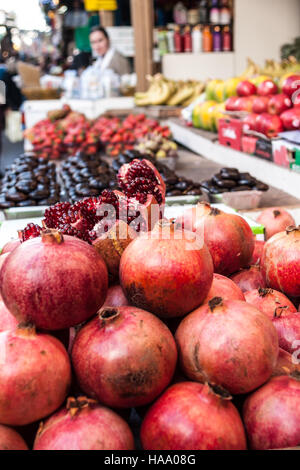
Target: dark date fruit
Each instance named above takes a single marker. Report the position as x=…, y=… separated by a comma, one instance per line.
x=26, y=186
x=228, y=184
x=15, y=196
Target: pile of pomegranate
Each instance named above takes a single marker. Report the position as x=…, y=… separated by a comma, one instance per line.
x=100, y=315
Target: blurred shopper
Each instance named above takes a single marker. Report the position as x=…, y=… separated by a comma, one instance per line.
x=107, y=57
x=13, y=96
x=103, y=78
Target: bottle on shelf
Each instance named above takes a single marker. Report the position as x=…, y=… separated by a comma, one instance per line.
x=170, y=40
x=207, y=39
x=217, y=39
x=162, y=42
x=193, y=16
x=227, y=39
x=214, y=14
x=225, y=13
x=178, y=40
x=204, y=11
x=187, y=39
x=180, y=13
x=197, y=39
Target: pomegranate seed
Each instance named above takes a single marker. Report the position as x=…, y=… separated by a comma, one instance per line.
x=30, y=231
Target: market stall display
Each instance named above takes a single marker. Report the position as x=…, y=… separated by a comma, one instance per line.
x=265, y=106
x=66, y=132
x=162, y=91
x=28, y=182
x=64, y=235
x=150, y=246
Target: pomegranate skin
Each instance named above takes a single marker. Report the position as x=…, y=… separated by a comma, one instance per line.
x=10, y=246
x=272, y=414
x=94, y=427
x=228, y=237
x=111, y=246
x=117, y=365
x=275, y=220
x=270, y=301
x=168, y=277
x=228, y=343
x=115, y=297
x=3, y=258
x=285, y=364
x=7, y=320
x=54, y=281
x=280, y=263
x=190, y=416
x=288, y=329
x=11, y=440
x=224, y=287
x=35, y=376
x=249, y=279
x=257, y=253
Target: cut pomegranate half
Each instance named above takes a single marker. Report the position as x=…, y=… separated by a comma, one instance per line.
x=140, y=206
x=139, y=179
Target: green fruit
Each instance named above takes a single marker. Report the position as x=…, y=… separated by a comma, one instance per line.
x=196, y=116
x=210, y=89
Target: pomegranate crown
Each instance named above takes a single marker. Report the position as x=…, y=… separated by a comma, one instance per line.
x=75, y=405
x=215, y=302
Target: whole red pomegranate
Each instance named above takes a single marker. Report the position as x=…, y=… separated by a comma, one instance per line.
x=35, y=376
x=7, y=320
x=275, y=220
x=228, y=236
x=125, y=357
x=272, y=414
x=229, y=343
x=288, y=329
x=270, y=301
x=115, y=297
x=54, y=281
x=224, y=287
x=286, y=363
x=257, y=253
x=11, y=440
x=10, y=246
x=3, y=258
x=84, y=425
x=192, y=416
x=281, y=262
x=250, y=278
x=166, y=272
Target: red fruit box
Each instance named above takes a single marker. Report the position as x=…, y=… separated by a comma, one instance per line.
x=249, y=144
x=264, y=149
x=230, y=133
x=287, y=154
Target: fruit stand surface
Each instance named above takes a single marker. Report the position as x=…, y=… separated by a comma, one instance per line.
x=197, y=141
x=197, y=168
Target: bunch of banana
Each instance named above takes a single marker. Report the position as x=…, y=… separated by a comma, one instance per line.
x=187, y=93
x=251, y=70
x=169, y=92
x=158, y=93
